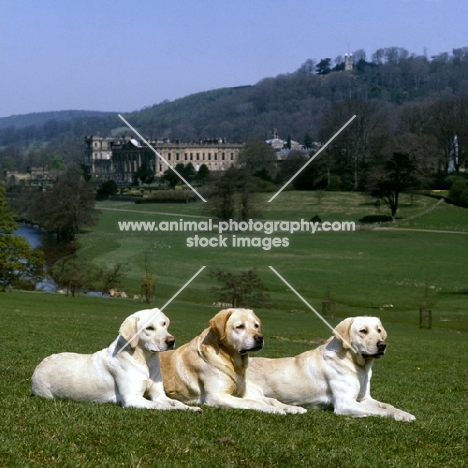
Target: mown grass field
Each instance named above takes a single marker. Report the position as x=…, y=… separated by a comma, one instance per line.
x=424, y=371
x=364, y=270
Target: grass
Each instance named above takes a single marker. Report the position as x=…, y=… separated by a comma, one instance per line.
x=364, y=270
x=424, y=371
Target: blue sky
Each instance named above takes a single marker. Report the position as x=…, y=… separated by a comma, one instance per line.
x=123, y=55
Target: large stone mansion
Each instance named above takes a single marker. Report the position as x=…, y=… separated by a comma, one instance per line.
x=120, y=158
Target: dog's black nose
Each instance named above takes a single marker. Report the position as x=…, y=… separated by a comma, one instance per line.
x=381, y=345
x=170, y=341
x=258, y=338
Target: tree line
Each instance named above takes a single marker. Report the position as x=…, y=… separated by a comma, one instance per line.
x=296, y=103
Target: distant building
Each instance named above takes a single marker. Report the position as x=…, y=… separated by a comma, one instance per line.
x=35, y=176
x=278, y=144
x=120, y=158
x=348, y=62
x=282, y=147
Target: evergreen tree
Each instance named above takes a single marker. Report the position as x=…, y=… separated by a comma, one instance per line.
x=396, y=176
x=203, y=174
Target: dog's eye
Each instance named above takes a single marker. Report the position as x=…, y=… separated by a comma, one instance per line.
x=150, y=328
x=379, y=330
x=164, y=324
x=256, y=325
x=363, y=331
x=241, y=326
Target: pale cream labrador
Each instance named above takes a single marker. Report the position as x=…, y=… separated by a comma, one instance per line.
x=127, y=372
x=335, y=375
x=210, y=369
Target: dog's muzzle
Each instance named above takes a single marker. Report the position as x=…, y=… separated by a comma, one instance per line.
x=381, y=347
x=258, y=344
x=170, y=342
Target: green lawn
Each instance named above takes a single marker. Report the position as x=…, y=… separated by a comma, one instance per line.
x=424, y=371
x=364, y=270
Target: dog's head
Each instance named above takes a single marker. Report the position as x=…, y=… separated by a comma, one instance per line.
x=365, y=335
x=238, y=329
x=148, y=330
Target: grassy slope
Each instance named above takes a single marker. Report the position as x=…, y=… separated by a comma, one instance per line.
x=424, y=371
x=364, y=269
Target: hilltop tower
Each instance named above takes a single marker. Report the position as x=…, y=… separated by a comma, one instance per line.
x=348, y=62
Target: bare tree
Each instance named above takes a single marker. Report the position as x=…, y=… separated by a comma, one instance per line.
x=447, y=124
x=67, y=208
x=357, y=144
x=233, y=196
x=148, y=287
x=244, y=289
x=113, y=277
x=75, y=273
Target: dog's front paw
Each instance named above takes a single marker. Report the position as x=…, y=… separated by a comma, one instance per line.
x=295, y=409
x=273, y=410
x=403, y=416
x=194, y=408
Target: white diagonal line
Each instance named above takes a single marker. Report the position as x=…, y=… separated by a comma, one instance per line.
x=162, y=308
x=160, y=156
x=312, y=158
x=183, y=287
x=312, y=309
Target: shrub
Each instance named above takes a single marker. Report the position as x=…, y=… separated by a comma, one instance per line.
x=459, y=192
x=370, y=219
x=169, y=196
x=109, y=187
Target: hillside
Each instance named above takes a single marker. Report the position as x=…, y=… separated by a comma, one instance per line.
x=294, y=103
x=38, y=119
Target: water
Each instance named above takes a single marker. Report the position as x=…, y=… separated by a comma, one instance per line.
x=35, y=235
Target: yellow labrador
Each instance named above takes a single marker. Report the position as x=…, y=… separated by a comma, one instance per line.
x=335, y=375
x=210, y=369
x=127, y=372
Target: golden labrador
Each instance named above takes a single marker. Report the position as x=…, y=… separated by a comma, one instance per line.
x=335, y=375
x=210, y=369
x=127, y=372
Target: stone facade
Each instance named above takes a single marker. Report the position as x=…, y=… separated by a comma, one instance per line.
x=120, y=158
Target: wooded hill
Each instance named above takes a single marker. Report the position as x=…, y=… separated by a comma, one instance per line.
x=297, y=104
x=294, y=103
x=40, y=118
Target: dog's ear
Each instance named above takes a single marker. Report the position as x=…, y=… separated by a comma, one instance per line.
x=343, y=332
x=129, y=329
x=219, y=321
